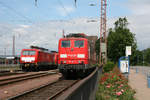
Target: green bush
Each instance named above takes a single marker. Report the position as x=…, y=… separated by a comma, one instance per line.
x=95, y=65
x=108, y=66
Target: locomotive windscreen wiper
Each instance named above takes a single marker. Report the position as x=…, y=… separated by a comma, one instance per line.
x=80, y=44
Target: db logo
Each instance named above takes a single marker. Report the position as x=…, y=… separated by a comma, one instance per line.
x=73, y=55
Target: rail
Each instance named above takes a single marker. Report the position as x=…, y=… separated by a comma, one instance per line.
x=22, y=78
x=46, y=92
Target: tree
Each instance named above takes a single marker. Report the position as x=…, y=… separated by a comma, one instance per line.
x=117, y=40
x=146, y=56
x=138, y=58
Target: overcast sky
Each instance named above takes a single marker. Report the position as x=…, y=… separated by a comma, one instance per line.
x=42, y=25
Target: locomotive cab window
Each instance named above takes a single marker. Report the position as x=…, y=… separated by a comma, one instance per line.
x=65, y=43
x=28, y=52
x=79, y=43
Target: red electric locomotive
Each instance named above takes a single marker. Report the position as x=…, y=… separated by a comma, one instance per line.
x=55, y=58
x=76, y=55
x=36, y=59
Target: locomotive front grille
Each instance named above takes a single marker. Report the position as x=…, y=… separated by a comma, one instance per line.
x=71, y=66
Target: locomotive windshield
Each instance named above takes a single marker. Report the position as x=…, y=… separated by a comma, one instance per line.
x=65, y=43
x=79, y=43
x=28, y=52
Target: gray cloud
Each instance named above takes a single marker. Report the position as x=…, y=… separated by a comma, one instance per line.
x=44, y=34
x=139, y=21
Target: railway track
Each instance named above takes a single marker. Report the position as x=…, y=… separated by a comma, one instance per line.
x=11, y=80
x=46, y=92
x=8, y=73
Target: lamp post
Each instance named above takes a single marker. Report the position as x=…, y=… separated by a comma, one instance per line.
x=13, y=49
x=5, y=54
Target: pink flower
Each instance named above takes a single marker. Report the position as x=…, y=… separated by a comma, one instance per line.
x=121, y=85
x=118, y=93
x=108, y=86
x=122, y=90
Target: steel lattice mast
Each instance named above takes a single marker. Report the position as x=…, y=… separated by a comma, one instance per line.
x=103, y=38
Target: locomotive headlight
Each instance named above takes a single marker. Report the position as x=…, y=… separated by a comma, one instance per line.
x=81, y=55
x=79, y=61
x=64, y=62
x=63, y=55
x=28, y=59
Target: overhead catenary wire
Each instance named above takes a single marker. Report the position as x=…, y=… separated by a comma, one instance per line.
x=21, y=15
x=17, y=13
x=12, y=9
x=24, y=17
x=28, y=19
x=59, y=1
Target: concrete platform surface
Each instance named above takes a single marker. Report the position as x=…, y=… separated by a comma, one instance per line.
x=138, y=81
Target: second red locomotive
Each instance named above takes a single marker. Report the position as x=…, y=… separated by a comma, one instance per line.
x=76, y=55
x=36, y=59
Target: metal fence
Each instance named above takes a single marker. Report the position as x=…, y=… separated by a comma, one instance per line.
x=145, y=70
x=85, y=89
x=9, y=67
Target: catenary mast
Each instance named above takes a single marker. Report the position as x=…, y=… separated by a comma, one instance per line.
x=103, y=38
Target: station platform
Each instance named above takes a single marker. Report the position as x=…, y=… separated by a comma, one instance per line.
x=138, y=82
